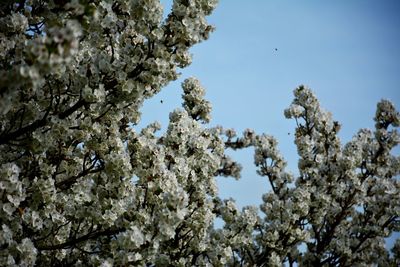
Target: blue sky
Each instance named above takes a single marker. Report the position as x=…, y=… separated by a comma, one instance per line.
x=347, y=52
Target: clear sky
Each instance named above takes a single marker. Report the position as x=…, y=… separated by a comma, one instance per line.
x=347, y=52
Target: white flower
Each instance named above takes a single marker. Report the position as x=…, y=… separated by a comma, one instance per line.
x=294, y=111
x=27, y=252
x=106, y=263
x=5, y=234
x=19, y=22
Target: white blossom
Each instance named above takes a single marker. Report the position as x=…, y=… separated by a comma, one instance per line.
x=82, y=185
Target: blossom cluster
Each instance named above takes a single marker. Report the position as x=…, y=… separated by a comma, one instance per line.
x=81, y=185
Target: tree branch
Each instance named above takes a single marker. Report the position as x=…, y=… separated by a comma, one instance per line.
x=89, y=236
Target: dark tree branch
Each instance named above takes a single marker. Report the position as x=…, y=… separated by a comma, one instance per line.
x=72, y=109
x=73, y=242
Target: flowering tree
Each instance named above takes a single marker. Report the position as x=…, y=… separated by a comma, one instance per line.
x=79, y=185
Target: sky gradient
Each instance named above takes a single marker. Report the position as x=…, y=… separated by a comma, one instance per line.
x=347, y=52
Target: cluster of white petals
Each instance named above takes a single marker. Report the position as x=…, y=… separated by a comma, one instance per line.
x=80, y=185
